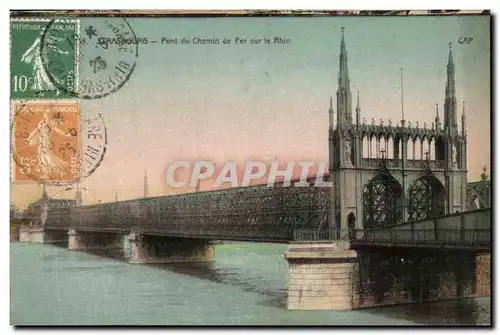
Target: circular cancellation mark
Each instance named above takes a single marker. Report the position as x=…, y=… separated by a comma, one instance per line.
x=104, y=52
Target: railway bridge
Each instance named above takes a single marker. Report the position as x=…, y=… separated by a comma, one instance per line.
x=400, y=224
x=329, y=268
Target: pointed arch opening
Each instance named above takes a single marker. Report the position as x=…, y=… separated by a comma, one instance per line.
x=418, y=149
x=366, y=147
x=426, y=198
x=439, y=147
x=373, y=147
x=382, y=202
x=389, y=148
x=410, y=150
x=397, y=152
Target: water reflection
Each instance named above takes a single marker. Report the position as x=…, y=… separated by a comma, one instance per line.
x=246, y=285
x=451, y=312
x=247, y=282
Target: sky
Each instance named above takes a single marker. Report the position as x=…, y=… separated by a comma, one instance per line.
x=260, y=102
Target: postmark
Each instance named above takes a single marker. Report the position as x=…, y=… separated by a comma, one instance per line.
x=106, y=50
x=52, y=145
x=29, y=78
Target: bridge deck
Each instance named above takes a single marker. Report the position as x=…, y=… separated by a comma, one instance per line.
x=276, y=214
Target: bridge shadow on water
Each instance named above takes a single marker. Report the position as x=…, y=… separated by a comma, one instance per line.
x=241, y=278
x=229, y=276
x=116, y=253
x=467, y=311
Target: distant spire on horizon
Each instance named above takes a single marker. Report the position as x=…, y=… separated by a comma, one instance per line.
x=146, y=190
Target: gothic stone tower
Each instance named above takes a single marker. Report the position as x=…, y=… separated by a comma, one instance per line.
x=385, y=174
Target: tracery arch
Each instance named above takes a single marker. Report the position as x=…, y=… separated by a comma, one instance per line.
x=426, y=198
x=475, y=200
x=382, y=202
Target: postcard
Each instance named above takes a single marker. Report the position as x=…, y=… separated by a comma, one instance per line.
x=250, y=168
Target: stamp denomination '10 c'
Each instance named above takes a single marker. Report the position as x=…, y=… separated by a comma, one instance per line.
x=29, y=76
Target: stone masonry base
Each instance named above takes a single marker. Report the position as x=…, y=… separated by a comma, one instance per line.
x=321, y=276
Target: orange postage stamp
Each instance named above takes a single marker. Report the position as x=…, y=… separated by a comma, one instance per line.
x=46, y=141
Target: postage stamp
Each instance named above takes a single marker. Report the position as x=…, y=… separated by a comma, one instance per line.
x=46, y=141
x=29, y=78
x=51, y=143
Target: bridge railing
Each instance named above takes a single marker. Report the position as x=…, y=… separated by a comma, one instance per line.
x=445, y=237
x=314, y=235
x=59, y=217
x=477, y=219
x=429, y=236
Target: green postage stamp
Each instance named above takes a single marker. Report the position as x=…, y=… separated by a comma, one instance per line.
x=44, y=63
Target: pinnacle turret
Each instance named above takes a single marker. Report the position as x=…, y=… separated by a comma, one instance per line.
x=330, y=114
x=463, y=120
x=450, y=103
x=358, y=109
x=344, y=112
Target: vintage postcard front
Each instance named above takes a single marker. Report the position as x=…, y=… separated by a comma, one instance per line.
x=250, y=168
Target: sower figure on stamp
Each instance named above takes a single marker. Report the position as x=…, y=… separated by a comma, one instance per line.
x=48, y=162
x=33, y=57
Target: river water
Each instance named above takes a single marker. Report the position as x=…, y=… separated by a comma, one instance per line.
x=245, y=286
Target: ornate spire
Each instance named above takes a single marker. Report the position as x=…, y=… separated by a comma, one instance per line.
x=436, y=119
x=145, y=183
x=78, y=195
x=44, y=196
x=330, y=114
x=450, y=56
x=450, y=114
x=343, y=71
x=358, y=109
x=116, y=196
x=44, y=199
x=463, y=120
x=344, y=112
x=450, y=84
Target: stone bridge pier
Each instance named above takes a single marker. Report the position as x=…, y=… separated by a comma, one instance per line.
x=94, y=241
x=321, y=276
x=36, y=234
x=163, y=249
